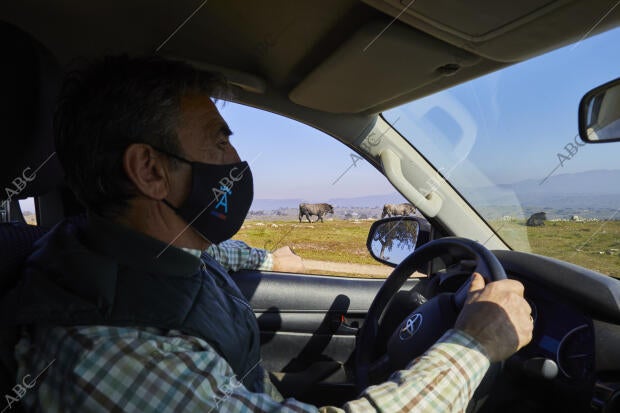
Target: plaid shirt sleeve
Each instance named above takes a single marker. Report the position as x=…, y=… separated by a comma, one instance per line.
x=236, y=255
x=102, y=369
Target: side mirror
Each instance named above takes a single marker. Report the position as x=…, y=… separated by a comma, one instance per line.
x=599, y=114
x=391, y=240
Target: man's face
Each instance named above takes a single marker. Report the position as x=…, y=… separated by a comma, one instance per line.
x=204, y=137
x=203, y=133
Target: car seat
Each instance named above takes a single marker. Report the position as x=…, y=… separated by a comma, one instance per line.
x=30, y=78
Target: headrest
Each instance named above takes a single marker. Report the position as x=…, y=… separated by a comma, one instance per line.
x=30, y=79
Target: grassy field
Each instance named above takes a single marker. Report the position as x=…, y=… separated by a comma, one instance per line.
x=338, y=240
x=592, y=245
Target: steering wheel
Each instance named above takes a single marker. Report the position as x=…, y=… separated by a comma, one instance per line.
x=424, y=326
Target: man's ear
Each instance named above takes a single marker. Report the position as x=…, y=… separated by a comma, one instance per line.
x=147, y=170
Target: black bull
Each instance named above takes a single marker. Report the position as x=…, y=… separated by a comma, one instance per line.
x=536, y=220
x=319, y=210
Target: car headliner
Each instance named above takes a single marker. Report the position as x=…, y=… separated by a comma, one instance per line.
x=337, y=56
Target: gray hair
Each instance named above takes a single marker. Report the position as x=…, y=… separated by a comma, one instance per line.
x=113, y=103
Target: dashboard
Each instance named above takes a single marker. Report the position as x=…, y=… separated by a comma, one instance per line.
x=558, y=367
x=572, y=363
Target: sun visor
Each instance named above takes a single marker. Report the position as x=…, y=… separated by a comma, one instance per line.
x=381, y=61
x=505, y=31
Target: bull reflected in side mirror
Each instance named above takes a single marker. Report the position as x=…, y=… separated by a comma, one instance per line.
x=391, y=240
x=599, y=114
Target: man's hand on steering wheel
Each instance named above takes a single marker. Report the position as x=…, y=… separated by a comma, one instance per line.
x=497, y=316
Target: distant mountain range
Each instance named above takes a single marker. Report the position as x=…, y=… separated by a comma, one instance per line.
x=582, y=183
x=589, y=192
x=592, y=193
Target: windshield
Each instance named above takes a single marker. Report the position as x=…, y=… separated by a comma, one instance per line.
x=508, y=142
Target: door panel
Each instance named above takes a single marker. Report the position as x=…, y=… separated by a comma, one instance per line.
x=307, y=318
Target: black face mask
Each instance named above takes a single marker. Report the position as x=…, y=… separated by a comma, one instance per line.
x=219, y=200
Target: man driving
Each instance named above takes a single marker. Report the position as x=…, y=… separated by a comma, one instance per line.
x=123, y=306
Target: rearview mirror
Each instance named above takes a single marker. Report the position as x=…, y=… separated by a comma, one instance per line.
x=391, y=240
x=599, y=114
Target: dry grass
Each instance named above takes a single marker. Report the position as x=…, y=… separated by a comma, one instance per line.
x=337, y=241
x=592, y=245
x=31, y=219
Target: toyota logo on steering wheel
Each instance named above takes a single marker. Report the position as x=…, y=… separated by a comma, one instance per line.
x=411, y=326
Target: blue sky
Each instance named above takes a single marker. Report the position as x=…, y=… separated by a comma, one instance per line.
x=293, y=160
x=524, y=116
x=526, y=113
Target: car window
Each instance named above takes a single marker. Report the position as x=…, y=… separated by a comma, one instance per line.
x=293, y=163
x=508, y=142
x=28, y=210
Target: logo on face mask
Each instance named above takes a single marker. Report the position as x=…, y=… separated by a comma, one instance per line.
x=222, y=201
x=222, y=194
x=213, y=214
